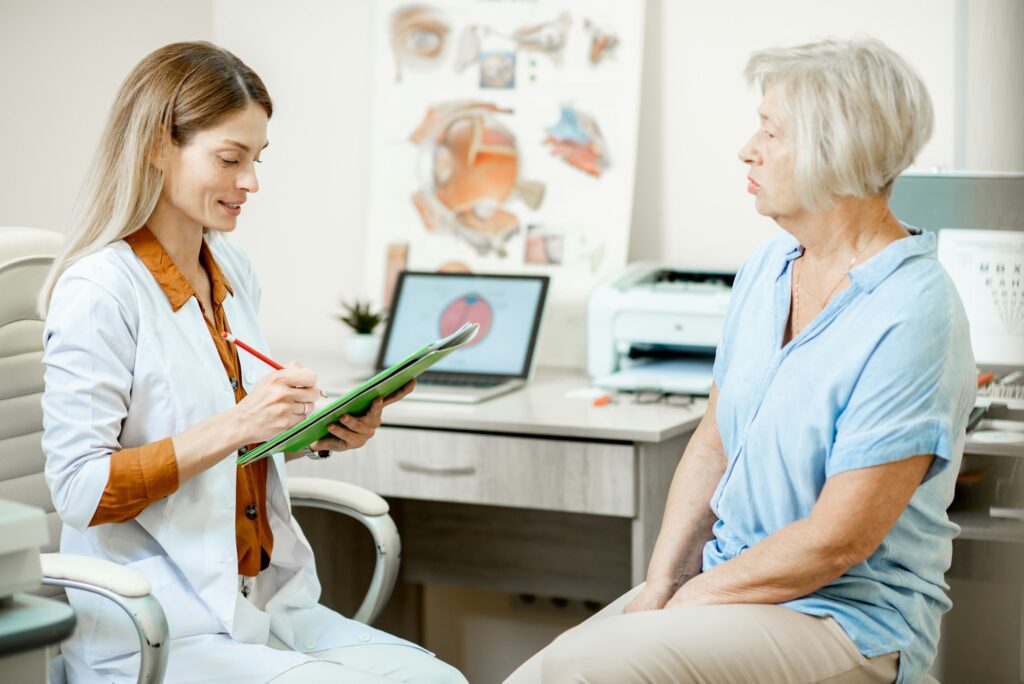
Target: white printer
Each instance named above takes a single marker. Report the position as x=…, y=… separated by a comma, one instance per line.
x=655, y=328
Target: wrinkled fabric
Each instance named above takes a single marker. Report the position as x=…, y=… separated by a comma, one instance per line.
x=885, y=372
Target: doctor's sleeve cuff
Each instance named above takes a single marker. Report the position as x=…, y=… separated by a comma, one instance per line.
x=138, y=477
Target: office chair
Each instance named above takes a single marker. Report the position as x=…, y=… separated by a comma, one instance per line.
x=25, y=258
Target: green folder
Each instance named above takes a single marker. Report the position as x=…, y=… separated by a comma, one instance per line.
x=383, y=384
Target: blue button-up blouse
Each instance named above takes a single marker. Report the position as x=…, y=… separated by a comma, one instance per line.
x=885, y=372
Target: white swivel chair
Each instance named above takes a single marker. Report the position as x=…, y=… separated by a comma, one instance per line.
x=25, y=258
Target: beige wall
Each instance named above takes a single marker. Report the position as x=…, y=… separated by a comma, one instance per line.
x=61, y=62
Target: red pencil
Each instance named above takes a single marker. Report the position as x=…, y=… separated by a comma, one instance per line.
x=265, y=359
x=262, y=357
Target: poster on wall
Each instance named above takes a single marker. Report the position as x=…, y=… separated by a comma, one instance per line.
x=504, y=141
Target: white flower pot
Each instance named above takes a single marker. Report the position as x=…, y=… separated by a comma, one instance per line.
x=361, y=349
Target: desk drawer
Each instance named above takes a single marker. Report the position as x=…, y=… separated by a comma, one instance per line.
x=435, y=465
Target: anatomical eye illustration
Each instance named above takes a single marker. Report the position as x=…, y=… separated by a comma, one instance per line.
x=602, y=42
x=419, y=38
x=577, y=139
x=547, y=39
x=503, y=140
x=469, y=173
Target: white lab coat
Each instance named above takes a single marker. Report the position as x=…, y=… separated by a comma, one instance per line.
x=122, y=370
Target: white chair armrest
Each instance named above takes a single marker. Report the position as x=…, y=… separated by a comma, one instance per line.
x=130, y=590
x=338, y=493
x=94, y=571
x=372, y=512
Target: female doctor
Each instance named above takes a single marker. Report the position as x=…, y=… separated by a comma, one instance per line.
x=146, y=406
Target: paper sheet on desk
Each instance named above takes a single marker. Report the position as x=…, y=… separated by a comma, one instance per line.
x=676, y=376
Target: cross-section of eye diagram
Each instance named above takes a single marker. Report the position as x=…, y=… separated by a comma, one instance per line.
x=465, y=309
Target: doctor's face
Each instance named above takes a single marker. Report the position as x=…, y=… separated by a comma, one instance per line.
x=769, y=154
x=207, y=180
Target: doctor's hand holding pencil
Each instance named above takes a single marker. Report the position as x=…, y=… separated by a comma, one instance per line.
x=282, y=399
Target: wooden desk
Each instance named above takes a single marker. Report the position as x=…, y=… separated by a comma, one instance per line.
x=531, y=492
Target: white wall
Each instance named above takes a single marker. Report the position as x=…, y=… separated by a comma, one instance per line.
x=691, y=203
x=304, y=229
x=990, y=66
x=61, y=61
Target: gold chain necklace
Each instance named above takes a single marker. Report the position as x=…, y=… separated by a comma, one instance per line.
x=796, y=280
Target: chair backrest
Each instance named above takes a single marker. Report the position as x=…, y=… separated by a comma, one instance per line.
x=25, y=258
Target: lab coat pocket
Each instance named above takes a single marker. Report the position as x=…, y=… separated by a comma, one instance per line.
x=114, y=634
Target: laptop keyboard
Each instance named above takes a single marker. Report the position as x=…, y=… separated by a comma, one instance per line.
x=445, y=380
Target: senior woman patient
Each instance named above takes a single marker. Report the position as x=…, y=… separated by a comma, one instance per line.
x=805, y=534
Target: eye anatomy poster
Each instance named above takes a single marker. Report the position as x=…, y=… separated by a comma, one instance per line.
x=504, y=140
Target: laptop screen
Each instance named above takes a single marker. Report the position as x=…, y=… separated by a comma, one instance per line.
x=427, y=306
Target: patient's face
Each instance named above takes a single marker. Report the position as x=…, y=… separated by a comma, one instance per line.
x=769, y=154
x=207, y=180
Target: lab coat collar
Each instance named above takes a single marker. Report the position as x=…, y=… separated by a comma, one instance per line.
x=167, y=274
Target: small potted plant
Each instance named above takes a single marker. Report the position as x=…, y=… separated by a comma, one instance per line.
x=362, y=345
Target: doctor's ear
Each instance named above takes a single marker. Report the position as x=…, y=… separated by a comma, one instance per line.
x=160, y=148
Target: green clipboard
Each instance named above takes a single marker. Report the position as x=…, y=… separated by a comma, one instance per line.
x=383, y=384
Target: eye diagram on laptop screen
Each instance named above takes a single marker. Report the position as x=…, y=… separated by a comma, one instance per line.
x=471, y=308
x=507, y=308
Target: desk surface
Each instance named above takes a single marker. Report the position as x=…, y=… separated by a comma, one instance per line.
x=540, y=408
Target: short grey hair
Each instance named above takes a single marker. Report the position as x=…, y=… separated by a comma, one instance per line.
x=858, y=112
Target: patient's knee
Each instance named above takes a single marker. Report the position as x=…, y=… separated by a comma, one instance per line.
x=573, y=658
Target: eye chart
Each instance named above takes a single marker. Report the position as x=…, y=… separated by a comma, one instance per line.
x=987, y=267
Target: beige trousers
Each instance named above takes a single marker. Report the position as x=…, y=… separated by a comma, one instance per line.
x=707, y=644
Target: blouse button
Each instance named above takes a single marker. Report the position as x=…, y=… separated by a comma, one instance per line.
x=251, y=511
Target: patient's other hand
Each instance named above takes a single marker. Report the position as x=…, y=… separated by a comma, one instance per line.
x=653, y=596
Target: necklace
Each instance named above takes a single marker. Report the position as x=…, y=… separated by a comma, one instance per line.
x=824, y=302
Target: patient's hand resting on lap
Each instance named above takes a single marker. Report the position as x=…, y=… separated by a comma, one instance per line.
x=653, y=596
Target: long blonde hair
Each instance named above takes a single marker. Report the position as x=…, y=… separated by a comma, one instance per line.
x=181, y=88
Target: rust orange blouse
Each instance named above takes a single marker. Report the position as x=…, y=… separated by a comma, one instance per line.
x=141, y=475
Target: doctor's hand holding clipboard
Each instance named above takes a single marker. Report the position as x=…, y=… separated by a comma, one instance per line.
x=271, y=406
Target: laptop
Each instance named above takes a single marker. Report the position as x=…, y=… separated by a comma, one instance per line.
x=500, y=359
